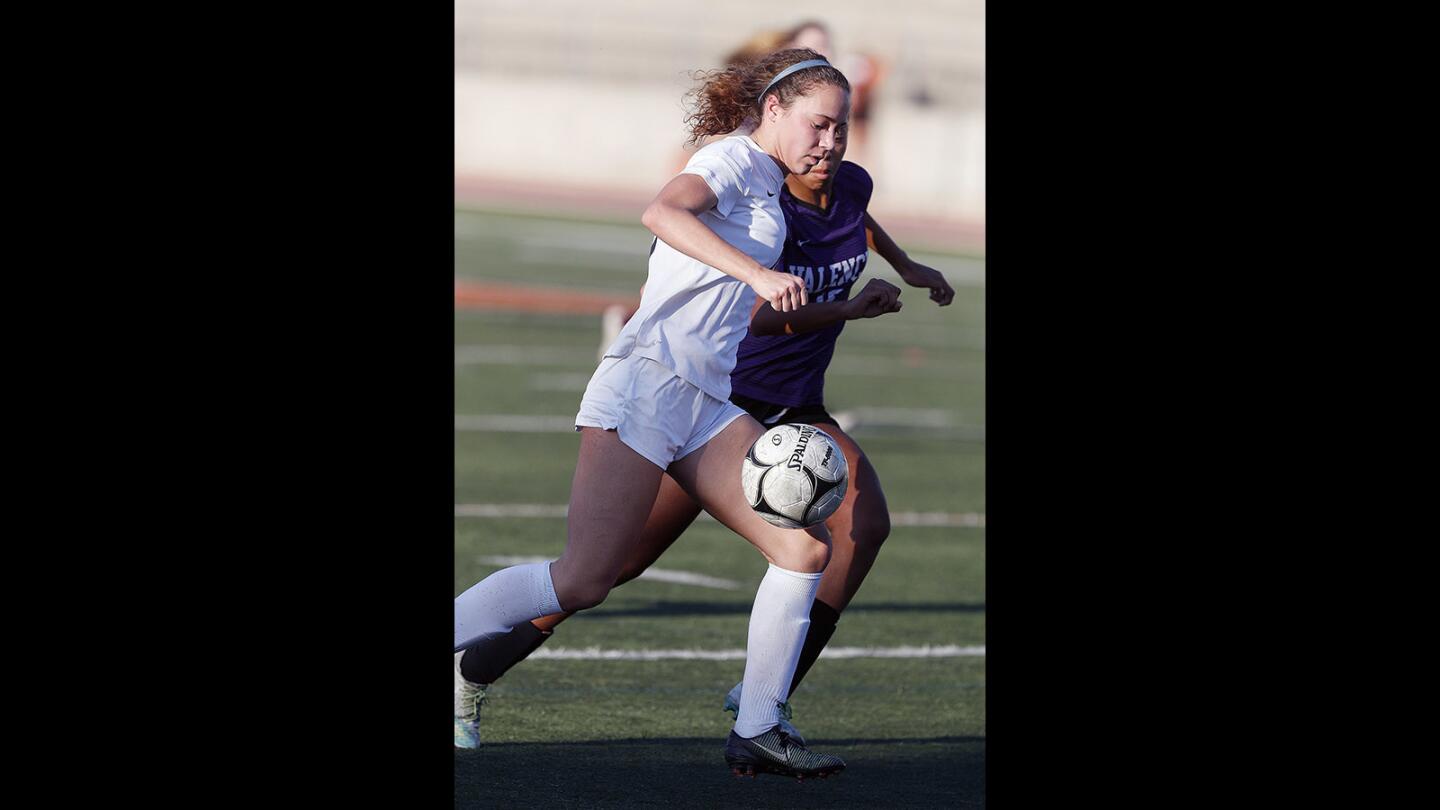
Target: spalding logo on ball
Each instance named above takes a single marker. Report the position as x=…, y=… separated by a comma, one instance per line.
x=794, y=476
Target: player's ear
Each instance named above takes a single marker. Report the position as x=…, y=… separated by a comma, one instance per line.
x=772, y=108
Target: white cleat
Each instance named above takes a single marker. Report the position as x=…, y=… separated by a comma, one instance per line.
x=468, y=697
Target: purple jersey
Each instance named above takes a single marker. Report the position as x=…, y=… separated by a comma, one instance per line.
x=827, y=249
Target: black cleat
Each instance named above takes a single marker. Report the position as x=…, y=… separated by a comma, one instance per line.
x=778, y=753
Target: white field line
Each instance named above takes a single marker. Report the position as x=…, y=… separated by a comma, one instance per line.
x=855, y=365
x=959, y=271
x=597, y=654
x=930, y=421
x=657, y=574
x=528, y=231
x=973, y=520
x=511, y=510
x=906, y=417
x=514, y=423
x=559, y=382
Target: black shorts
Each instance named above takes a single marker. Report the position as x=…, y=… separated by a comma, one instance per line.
x=769, y=414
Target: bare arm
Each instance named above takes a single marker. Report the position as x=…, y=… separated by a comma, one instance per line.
x=912, y=272
x=674, y=216
x=877, y=298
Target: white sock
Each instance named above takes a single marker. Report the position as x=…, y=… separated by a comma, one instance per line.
x=778, y=624
x=502, y=600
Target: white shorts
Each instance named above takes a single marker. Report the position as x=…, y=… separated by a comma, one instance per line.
x=655, y=412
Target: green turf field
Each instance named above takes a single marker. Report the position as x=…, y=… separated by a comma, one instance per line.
x=612, y=733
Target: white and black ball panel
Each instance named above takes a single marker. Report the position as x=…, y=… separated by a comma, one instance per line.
x=750, y=473
x=775, y=445
x=777, y=520
x=826, y=459
x=794, y=476
x=826, y=502
x=788, y=492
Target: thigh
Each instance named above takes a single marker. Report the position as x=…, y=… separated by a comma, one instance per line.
x=672, y=514
x=610, y=497
x=864, y=502
x=858, y=527
x=711, y=475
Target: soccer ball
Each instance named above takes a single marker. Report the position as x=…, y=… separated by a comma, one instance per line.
x=794, y=476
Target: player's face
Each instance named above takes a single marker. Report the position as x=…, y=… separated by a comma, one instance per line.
x=821, y=173
x=808, y=132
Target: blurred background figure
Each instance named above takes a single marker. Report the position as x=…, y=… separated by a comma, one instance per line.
x=814, y=35
x=761, y=44
x=916, y=68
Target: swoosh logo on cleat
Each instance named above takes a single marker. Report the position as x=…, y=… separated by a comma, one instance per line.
x=783, y=757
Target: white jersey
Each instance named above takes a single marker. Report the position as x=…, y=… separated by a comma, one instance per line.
x=692, y=317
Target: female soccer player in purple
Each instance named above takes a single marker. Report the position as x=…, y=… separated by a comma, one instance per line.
x=779, y=378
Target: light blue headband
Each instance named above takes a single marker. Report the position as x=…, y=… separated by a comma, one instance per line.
x=808, y=63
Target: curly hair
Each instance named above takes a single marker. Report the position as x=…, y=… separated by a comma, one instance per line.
x=728, y=98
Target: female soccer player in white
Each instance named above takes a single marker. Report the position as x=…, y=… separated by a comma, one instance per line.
x=659, y=401
x=779, y=379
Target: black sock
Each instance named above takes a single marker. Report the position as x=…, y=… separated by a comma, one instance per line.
x=487, y=660
x=822, y=627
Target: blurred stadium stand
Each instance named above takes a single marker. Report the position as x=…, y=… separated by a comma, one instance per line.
x=577, y=104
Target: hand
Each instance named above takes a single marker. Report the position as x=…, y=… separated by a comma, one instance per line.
x=921, y=276
x=877, y=298
x=785, y=292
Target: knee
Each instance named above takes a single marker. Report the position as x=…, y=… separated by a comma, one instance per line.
x=582, y=597
x=630, y=571
x=809, y=557
x=817, y=556
x=581, y=593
